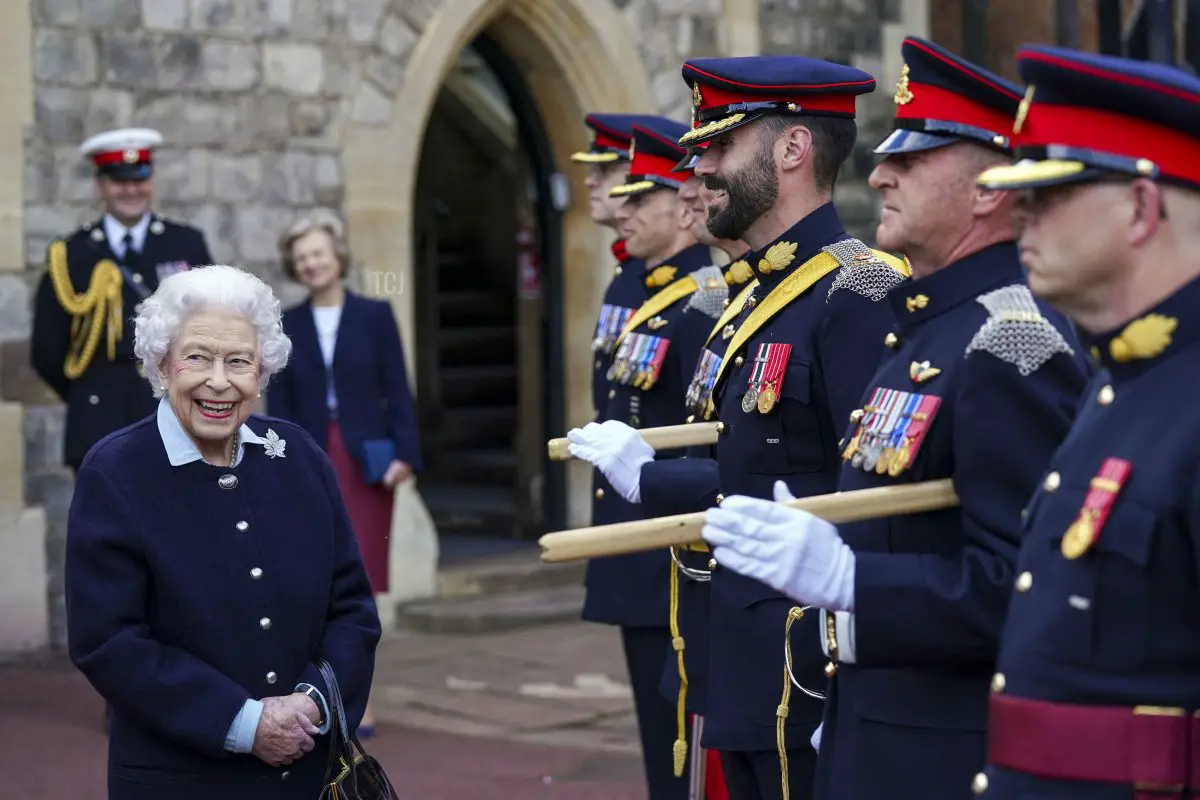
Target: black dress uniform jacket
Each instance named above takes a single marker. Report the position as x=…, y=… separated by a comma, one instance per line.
x=109, y=394
x=631, y=590
x=979, y=383
x=170, y=621
x=1105, y=614
x=835, y=329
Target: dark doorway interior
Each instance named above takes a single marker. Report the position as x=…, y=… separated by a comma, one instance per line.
x=489, y=326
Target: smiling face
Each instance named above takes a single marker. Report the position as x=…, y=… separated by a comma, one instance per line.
x=315, y=261
x=650, y=223
x=127, y=201
x=697, y=198
x=212, y=378
x=739, y=169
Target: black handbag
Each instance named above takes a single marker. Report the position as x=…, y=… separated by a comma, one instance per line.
x=350, y=774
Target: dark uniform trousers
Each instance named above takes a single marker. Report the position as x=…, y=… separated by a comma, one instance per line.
x=980, y=383
x=631, y=590
x=1101, y=641
x=830, y=326
x=109, y=394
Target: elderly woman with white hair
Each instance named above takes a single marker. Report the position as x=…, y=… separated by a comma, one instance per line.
x=211, y=564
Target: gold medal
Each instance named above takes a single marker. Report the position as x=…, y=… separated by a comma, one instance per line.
x=885, y=459
x=1079, y=537
x=766, y=399
x=899, y=462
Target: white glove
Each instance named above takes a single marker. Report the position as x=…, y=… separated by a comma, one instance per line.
x=790, y=550
x=617, y=450
x=815, y=741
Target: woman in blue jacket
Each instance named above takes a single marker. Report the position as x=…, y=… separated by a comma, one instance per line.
x=348, y=387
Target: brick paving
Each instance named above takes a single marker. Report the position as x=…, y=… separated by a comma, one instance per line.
x=542, y=713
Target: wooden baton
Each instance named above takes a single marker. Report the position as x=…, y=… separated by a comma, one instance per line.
x=684, y=529
x=668, y=437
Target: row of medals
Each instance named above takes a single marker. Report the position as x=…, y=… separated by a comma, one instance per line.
x=764, y=399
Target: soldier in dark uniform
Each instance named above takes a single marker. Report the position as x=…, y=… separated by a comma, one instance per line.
x=82, y=341
x=1098, y=682
x=979, y=383
x=608, y=161
x=656, y=352
x=801, y=352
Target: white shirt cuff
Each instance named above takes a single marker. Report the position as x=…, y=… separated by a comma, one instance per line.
x=843, y=623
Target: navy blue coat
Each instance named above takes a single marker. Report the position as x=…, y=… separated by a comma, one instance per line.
x=167, y=622
x=931, y=589
x=631, y=590
x=692, y=609
x=835, y=329
x=1117, y=624
x=109, y=394
x=369, y=378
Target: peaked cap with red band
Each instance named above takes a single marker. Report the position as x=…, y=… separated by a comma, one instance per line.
x=125, y=154
x=728, y=93
x=1088, y=116
x=942, y=99
x=611, y=134
x=655, y=159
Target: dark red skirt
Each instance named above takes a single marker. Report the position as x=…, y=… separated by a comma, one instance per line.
x=370, y=508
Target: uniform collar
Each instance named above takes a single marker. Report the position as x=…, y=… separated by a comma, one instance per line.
x=619, y=252
x=1159, y=333
x=677, y=266
x=115, y=231
x=821, y=227
x=180, y=447
x=915, y=301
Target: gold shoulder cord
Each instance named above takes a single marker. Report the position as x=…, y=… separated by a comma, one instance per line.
x=100, y=306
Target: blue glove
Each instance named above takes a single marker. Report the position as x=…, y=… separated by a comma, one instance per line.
x=790, y=550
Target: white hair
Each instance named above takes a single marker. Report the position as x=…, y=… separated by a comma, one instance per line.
x=219, y=289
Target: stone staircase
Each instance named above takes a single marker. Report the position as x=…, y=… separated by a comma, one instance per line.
x=498, y=593
x=471, y=480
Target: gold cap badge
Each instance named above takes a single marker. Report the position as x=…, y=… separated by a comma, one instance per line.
x=904, y=95
x=1023, y=109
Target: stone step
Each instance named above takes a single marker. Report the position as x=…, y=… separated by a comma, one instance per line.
x=477, y=345
x=520, y=571
x=477, y=427
x=489, y=614
x=491, y=467
x=479, y=384
x=458, y=307
x=459, y=509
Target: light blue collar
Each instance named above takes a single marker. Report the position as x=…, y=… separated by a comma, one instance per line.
x=180, y=447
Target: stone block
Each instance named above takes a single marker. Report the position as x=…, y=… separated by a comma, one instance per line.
x=108, y=109
x=75, y=175
x=292, y=67
x=232, y=66
x=208, y=122
x=112, y=14
x=288, y=179
x=18, y=382
x=40, y=177
x=15, y=304
x=309, y=118
x=217, y=15
x=396, y=38
x=217, y=223
x=45, y=428
x=271, y=18
x=419, y=13
x=12, y=466
x=128, y=59
x=59, y=113
x=24, y=625
x=385, y=72
x=343, y=68
x=327, y=180
x=50, y=220
x=177, y=63
x=371, y=106
x=362, y=19
x=165, y=15
x=311, y=20
x=167, y=112
x=257, y=229
x=181, y=175
x=262, y=122
x=63, y=56
x=235, y=178
x=57, y=12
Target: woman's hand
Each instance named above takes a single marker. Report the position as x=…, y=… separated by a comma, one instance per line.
x=284, y=731
x=397, y=473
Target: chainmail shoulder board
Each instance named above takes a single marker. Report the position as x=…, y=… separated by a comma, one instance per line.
x=1016, y=331
x=710, y=298
x=862, y=271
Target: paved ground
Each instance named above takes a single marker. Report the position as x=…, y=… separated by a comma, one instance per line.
x=543, y=713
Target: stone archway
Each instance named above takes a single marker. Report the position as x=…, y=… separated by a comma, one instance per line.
x=577, y=55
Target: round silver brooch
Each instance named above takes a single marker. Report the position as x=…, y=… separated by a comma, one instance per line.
x=227, y=481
